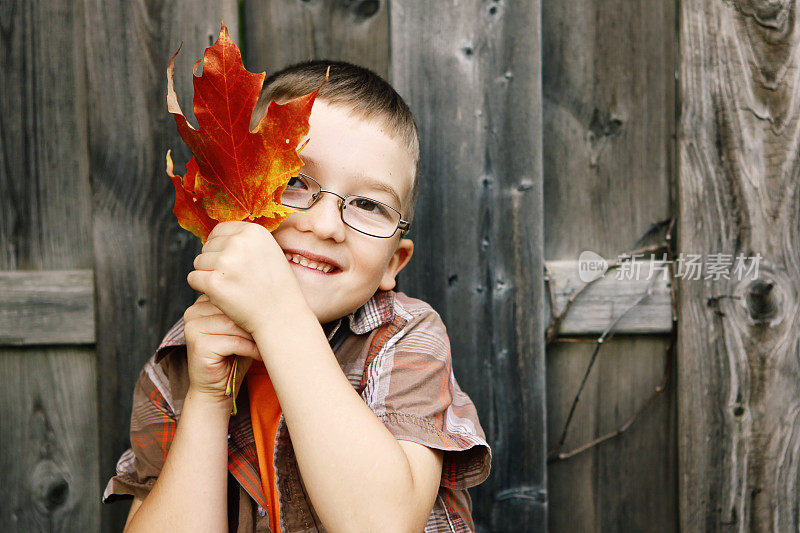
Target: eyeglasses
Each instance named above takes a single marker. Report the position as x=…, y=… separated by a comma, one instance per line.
x=363, y=214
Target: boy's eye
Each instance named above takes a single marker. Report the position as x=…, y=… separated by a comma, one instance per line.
x=367, y=205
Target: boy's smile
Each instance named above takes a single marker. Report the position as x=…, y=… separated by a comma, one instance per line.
x=343, y=153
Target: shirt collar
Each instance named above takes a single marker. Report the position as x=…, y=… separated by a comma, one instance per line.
x=378, y=310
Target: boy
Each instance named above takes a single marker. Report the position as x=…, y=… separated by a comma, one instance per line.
x=352, y=419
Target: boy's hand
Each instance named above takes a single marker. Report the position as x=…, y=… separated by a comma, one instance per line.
x=211, y=339
x=245, y=274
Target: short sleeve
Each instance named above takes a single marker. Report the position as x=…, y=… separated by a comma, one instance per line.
x=152, y=429
x=412, y=389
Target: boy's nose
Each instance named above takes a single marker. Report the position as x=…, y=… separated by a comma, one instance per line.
x=325, y=216
x=321, y=196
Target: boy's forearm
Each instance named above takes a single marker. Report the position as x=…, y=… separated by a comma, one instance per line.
x=191, y=491
x=356, y=474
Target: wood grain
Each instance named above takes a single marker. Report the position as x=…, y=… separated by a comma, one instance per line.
x=46, y=307
x=609, y=121
x=739, y=193
x=281, y=32
x=141, y=254
x=48, y=425
x=612, y=296
x=471, y=74
x=48, y=420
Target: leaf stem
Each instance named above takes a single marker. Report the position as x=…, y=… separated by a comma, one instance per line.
x=230, y=385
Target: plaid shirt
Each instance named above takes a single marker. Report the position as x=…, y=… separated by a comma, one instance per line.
x=396, y=354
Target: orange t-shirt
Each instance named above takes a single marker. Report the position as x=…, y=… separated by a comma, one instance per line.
x=265, y=413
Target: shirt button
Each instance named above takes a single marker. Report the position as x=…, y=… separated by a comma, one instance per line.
x=261, y=511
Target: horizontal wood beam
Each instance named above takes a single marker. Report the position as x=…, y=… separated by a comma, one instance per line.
x=46, y=307
x=57, y=306
x=608, y=297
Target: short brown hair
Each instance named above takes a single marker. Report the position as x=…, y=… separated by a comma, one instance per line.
x=357, y=88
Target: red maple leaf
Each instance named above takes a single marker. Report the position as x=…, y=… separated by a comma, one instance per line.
x=235, y=173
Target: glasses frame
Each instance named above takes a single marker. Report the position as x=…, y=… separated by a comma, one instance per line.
x=402, y=225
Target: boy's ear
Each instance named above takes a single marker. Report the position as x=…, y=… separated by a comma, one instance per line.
x=400, y=258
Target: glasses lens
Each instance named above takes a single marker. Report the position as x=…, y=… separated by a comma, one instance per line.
x=370, y=216
x=299, y=192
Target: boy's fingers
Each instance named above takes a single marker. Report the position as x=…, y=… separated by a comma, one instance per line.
x=202, y=309
x=208, y=322
x=229, y=345
x=215, y=244
x=205, y=304
x=208, y=309
x=198, y=279
x=207, y=260
x=231, y=227
x=219, y=324
x=208, y=319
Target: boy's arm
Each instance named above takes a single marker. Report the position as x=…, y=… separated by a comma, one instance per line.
x=190, y=494
x=358, y=475
x=135, y=504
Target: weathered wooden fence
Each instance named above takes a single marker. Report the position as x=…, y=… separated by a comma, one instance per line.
x=609, y=124
x=739, y=194
x=548, y=128
x=94, y=264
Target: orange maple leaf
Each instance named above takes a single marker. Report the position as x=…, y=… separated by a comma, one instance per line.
x=235, y=173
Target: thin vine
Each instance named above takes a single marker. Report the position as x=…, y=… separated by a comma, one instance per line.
x=555, y=454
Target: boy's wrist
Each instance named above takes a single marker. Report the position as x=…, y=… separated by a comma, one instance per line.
x=285, y=322
x=211, y=403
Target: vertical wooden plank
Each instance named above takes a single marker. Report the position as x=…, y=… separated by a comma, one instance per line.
x=141, y=254
x=44, y=191
x=48, y=424
x=471, y=74
x=609, y=118
x=281, y=32
x=738, y=349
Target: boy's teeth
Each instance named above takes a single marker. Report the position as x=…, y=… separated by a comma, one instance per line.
x=306, y=263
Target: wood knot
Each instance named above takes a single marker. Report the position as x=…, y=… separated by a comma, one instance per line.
x=367, y=8
x=765, y=300
x=769, y=13
x=603, y=125
x=49, y=486
x=761, y=301
x=56, y=494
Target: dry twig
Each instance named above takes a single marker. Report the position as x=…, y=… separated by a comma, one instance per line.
x=552, y=332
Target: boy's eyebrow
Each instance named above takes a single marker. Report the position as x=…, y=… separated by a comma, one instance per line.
x=370, y=182
x=380, y=186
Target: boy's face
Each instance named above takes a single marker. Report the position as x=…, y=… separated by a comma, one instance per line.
x=341, y=152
